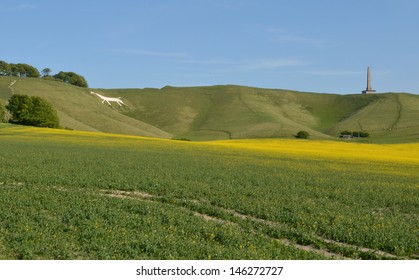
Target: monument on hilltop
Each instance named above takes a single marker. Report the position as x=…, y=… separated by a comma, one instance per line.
x=369, y=88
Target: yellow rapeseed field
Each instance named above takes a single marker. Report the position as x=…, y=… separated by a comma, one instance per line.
x=310, y=149
x=397, y=153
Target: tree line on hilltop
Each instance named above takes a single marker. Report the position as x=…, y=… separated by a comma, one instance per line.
x=33, y=110
x=24, y=70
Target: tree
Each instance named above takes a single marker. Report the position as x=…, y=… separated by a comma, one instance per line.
x=29, y=71
x=46, y=72
x=2, y=111
x=4, y=68
x=19, y=107
x=71, y=78
x=361, y=134
x=16, y=70
x=42, y=113
x=345, y=132
x=24, y=70
x=364, y=134
x=302, y=135
x=32, y=110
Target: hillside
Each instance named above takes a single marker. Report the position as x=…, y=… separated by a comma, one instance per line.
x=224, y=112
x=78, y=109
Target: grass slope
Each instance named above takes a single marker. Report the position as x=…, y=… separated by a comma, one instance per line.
x=223, y=112
x=391, y=117
x=228, y=112
x=78, y=109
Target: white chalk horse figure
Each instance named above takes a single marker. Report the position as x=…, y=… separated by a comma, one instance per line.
x=110, y=99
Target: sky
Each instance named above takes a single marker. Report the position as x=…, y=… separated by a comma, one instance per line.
x=305, y=45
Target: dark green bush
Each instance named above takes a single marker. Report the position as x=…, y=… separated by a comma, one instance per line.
x=32, y=110
x=354, y=133
x=364, y=134
x=2, y=111
x=302, y=135
x=71, y=78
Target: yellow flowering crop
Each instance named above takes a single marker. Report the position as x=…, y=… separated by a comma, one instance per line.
x=398, y=153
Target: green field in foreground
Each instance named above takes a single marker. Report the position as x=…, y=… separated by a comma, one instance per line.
x=83, y=195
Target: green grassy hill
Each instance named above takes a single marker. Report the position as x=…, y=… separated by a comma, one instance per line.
x=224, y=112
x=78, y=109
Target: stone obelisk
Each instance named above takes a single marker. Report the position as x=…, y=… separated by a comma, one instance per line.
x=369, y=88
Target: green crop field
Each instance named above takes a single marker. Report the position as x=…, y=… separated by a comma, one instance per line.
x=85, y=195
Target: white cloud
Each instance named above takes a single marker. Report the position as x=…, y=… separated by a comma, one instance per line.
x=297, y=40
x=24, y=7
x=151, y=53
x=335, y=73
x=271, y=63
x=209, y=61
x=13, y=8
x=281, y=35
x=215, y=64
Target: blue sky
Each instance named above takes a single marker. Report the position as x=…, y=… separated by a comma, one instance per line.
x=317, y=46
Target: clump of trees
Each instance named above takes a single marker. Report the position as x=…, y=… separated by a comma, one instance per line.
x=71, y=78
x=18, y=70
x=361, y=134
x=302, y=135
x=23, y=70
x=32, y=110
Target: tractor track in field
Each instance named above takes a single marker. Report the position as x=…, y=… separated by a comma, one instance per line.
x=149, y=198
x=146, y=197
